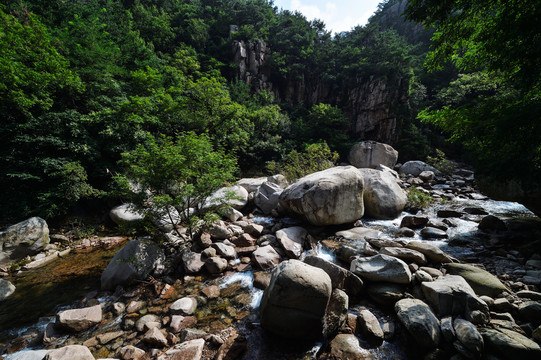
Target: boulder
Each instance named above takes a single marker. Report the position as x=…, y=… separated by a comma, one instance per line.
x=340, y=278
x=336, y=313
x=292, y=239
x=467, y=334
x=510, y=345
x=370, y=154
x=358, y=233
x=6, y=289
x=185, y=306
x=134, y=261
x=383, y=197
x=408, y=255
x=294, y=303
x=29, y=355
x=215, y=265
x=414, y=221
x=385, y=293
x=79, y=319
x=433, y=253
x=266, y=197
x=491, y=223
x=266, y=257
x=125, y=214
x=25, y=238
x=192, y=262
x=420, y=322
x=329, y=197
x=225, y=250
x=70, y=352
x=347, y=347
x=370, y=327
x=235, y=196
x=530, y=311
x=188, y=350
x=481, y=281
x=251, y=184
x=416, y=167
x=381, y=268
x=433, y=233
x=155, y=338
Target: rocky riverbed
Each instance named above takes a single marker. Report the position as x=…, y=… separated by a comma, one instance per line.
x=459, y=279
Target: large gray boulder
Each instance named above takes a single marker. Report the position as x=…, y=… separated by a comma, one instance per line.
x=469, y=337
x=294, y=303
x=329, y=197
x=235, y=196
x=510, y=345
x=79, y=319
x=25, y=238
x=341, y=278
x=433, y=253
x=383, y=197
x=420, y=322
x=370, y=154
x=381, y=268
x=266, y=197
x=134, y=261
x=416, y=167
x=292, y=239
x=481, y=281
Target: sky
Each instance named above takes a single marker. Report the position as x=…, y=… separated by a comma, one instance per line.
x=338, y=15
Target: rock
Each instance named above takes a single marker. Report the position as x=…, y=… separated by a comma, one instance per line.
x=447, y=329
x=292, y=239
x=233, y=348
x=244, y=240
x=130, y=352
x=191, y=334
x=224, y=250
x=347, y=347
x=340, y=278
x=329, y=197
x=438, y=224
x=475, y=211
x=154, y=337
x=336, y=313
x=414, y=221
x=251, y=184
x=140, y=325
x=416, y=167
x=358, y=233
x=481, y=281
x=528, y=294
x=219, y=231
x=69, y=352
x=79, y=319
x=385, y=293
x=29, y=355
x=491, y=223
x=422, y=276
x=125, y=214
x=294, y=303
x=452, y=295
x=383, y=197
x=381, y=268
x=433, y=253
x=25, y=238
x=420, y=322
x=433, y=233
x=370, y=154
x=192, y=262
x=447, y=213
x=108, y=337
x=134, y=261
x=409, y=255
x=184, y=306
x=135, y=306
x=254, y=229
x=266, y=197
x=530, y=311
x=208, y=253
x=215, y=265
x=427, y=175
x=6, y=289
x=370, y=327
x=179, y=322
x=404, y=232
x=234, y=196
x=469, y=337
x=188, y=350
x=346, y=254
x=266, y=257
x=508, y=344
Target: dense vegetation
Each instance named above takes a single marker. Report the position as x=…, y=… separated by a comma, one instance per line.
x=83, y=82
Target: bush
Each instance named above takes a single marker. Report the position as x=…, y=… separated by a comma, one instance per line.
x=440, y=162
x=418, y=199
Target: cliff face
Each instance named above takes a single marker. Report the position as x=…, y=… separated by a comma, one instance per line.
x=371, y=103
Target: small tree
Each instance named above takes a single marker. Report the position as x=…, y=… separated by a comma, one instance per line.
x=171, y=179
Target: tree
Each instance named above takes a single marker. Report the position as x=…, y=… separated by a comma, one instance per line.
x=170, y=179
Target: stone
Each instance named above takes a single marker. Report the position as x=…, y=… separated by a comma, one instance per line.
x=254, y=229
x=25, y=238
x=416, y=167
x=383, y=197
x=233, y=348
x=408, y=255
x=125, y=214
x=340, y=278
x=385, y=293
x=211, y=291
x=6, y=289
x=184, y=306
x=481, y=281
x=469, y=337
x=251, y=184
x=347, y=347
x=530, y=311
x=130, y=352
x=266, y=257
x=135, y=306
x=447, y=329
x=370, y=327
x=491, y=223
x=108, y=337
x=358, y=233
x=191, y=334
x=433, y=253
x=381, y=268
x=448, y=213
x=438, y=224
x=508, y=344
x=336, y=313
x=154, y=337
x=216, y=265
x=143, y=320
x=329, y=197
x=234, y=196
x=419, y=321
x=224, y=250
x=435, y=273
x=133, y=262
x=292, y=239
x=244, y=240
x=29, y=355
x=188, y=350
x=207, y=253
x=528, y=294
x=219, y=231
x=266, y=197
x=423, y=276
x=433, y=233
x=192, y=262
x=427, y=175
x=69, y=352
x=179, y=322
x=294, y=303
x=79, y=319
x=346, y=254
x=370, y=154
x=404, y=232
x=414, y=221
x=452, y=295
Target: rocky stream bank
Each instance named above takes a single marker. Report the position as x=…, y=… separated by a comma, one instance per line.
x=358, y=273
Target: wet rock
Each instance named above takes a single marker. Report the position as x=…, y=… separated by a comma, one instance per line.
x=25, y=238
x=438, y=224
x=433, y=233
x=416, y=167
x=189, y=350
x=475, y=211
x=216, y=265
x=383, y=243
x=447, y=213
x=405, y=232
x=482, y=282
x=266, y=197
x=6, y=289
x=408, y=255
x=134, y=261
x=340, y=278
x=435, y=273
x=336, y=313
x=469, y=337
x=383, y=197
x=346, y=254
x=225, y=250
x=266, y=257
x=329, y=197
x=130, y=352
x=292, y=239
x=79, y=319
x=347, y=347
x=294, y=303
x=358, y=233
x=491, y=223
x=370, y=327
x=261, y=279
x=51, y=334
x=414, y=221
x=192, y=262
x=211, y=292
x=433, y=253
x=420, y=322
x=69, y=352
x=184, y=306
x=381, y=268
x=385, y=293
x=508, y=344
x=370, y=154
x=154, y=337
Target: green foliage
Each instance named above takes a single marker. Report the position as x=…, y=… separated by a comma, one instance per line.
x=295, y=165
x=418, y=199
x=170, y=178
x=440, y=162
